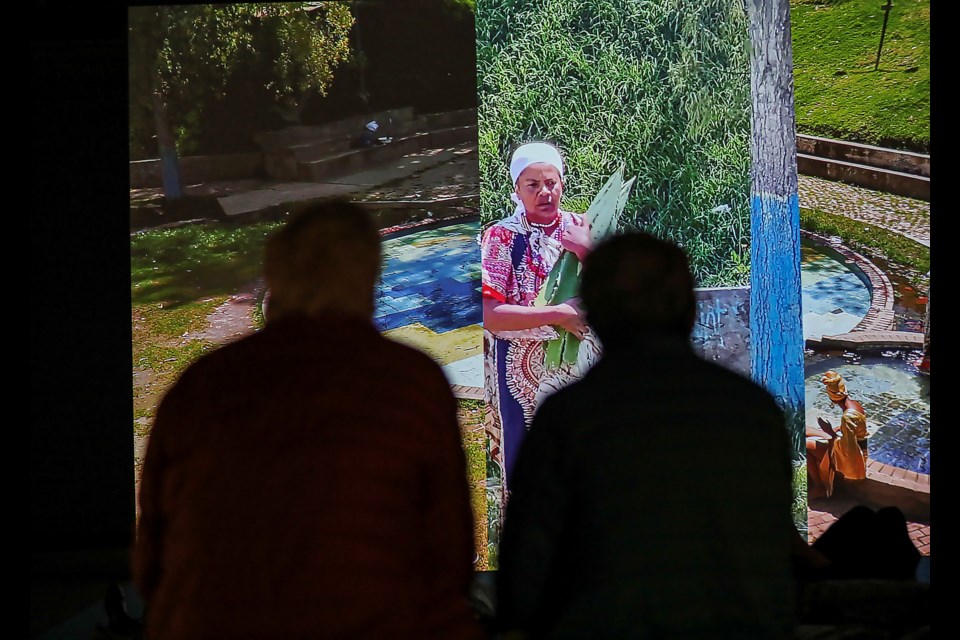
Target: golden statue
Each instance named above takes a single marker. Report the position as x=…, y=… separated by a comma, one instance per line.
x=842, y=450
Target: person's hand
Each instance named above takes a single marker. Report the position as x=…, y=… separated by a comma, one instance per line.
x=572, y=318
x=826, y=427
x=576, y=238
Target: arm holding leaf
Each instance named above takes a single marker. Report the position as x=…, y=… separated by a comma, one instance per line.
x=501, y=316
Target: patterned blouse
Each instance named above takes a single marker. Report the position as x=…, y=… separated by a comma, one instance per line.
x=512, y=271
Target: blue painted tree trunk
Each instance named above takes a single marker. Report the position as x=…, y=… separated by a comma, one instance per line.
x=169, y=161
x=170, y=173
x=776, y=330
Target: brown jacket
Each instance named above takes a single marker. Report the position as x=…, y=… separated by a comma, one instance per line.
x=307, y=482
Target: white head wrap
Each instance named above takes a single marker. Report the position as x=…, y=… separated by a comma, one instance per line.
x=532, y=153
x=372, y=125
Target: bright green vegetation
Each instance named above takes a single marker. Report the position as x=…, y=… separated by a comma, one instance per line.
x=798, y=506
x=195, y=55
x=471, y=413
x=663, y=87
x=179, y=277
x=837, y=92
x=868, y=239
x=178, y=266
x=471, y=417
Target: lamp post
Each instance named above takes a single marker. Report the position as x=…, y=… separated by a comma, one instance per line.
x=886, y=14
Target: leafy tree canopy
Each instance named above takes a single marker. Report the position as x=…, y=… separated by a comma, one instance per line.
x=185, y=55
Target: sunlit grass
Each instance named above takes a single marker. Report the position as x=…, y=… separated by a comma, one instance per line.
x=798, y=506
x=181, y=265
x=868, y=239
x=838, y=94
x=471, y=414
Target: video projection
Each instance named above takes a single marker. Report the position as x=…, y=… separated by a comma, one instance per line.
x=656, y=98
x=649, y=99
x=385, y=117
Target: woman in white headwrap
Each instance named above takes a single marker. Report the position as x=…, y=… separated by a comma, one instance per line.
x=517, y=254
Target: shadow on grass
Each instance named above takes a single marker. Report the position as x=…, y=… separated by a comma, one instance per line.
x=177, y=266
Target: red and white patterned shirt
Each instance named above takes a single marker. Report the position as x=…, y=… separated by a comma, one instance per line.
x=501, y=279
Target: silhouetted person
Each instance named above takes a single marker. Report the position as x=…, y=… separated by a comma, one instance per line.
x=652, y=498
x=308, y=481
x=862, y=544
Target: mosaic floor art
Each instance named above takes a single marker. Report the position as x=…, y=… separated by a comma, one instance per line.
x=430, y=297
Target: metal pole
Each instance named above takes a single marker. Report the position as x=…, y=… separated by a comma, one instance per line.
x=886, y=14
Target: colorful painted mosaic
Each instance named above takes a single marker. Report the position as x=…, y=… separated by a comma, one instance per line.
x=430, y=296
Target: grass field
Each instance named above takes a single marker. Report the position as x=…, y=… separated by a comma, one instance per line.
x=839, y=93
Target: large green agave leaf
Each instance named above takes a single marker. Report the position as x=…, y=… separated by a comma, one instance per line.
x=553, y=351
x=548, y=290
x=622, y=203
x=565, y=286
x=571, y=348
x=603, y=216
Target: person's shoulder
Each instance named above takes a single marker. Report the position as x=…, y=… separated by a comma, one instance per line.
x=499, y=230
x=738, y=385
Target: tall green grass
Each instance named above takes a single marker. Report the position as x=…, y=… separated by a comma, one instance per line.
x=662, y=86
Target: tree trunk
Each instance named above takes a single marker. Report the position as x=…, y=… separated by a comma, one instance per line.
x=169, y=162
x=775, y=317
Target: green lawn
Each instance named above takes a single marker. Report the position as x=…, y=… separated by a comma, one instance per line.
x=838, y=93
x=178, y=277
x=172, y=267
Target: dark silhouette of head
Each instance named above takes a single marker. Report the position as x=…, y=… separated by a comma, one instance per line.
x=635, y=283
x=326, y=259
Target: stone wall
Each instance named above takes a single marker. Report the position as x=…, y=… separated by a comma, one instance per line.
x=197, y=169
x=887, y=170
x=722, y=330
x=865, y=154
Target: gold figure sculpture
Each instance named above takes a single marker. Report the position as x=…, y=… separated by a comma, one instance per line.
x=842, y=450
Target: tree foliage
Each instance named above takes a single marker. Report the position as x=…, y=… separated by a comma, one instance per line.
x=188, y=54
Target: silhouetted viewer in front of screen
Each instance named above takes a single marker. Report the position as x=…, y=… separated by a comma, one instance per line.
x=652, y=498
x=308, y=481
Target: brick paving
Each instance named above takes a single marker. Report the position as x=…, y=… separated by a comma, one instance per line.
x=910, y=218
x=823, y=512
x=906, y=216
